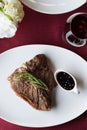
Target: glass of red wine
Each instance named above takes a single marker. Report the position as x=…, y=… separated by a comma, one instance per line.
x=76, y=34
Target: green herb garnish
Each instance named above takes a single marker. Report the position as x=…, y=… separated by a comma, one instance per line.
x=37, y=82
x=7, y=15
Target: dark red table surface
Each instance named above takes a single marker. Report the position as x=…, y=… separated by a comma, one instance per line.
x=39, y=28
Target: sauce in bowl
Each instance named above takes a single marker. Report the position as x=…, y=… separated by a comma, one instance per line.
x=65, y=80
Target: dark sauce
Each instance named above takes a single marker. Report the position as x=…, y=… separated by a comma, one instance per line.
x=79, y=26
x=65, y=80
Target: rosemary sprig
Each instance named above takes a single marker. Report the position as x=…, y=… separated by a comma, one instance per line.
x=32, y=79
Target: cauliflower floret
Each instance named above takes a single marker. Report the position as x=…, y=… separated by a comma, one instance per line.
x=15, y=9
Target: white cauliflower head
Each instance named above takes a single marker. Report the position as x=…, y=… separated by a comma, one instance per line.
x=15, y=9
x=11, y=13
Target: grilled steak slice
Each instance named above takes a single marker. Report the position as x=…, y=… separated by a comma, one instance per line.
x=37, y=97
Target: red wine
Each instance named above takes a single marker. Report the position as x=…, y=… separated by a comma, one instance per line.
x=79, y=26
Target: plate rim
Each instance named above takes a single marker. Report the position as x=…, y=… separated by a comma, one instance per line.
x=49, y=45
x=49, y=12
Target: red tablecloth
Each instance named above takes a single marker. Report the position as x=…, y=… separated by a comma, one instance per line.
x=39, y=28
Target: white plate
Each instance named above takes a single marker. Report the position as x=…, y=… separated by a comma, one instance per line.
x=68, y=105
x=54, y=6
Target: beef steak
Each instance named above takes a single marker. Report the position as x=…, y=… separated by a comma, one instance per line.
x=37, y=97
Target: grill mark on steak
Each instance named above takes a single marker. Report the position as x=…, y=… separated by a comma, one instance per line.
x=41, y=69
x=36, y=97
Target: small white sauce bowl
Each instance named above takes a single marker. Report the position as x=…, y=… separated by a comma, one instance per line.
x=74, y=89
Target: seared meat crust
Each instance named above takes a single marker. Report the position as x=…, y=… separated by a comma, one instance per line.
x=36, y=97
